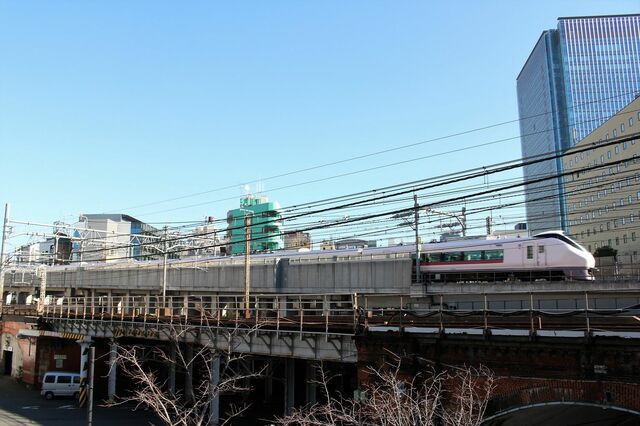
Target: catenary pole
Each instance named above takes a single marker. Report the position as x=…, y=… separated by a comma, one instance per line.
x=247, y=264
x=164, y=270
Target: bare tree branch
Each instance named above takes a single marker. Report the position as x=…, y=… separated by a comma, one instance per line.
x=453, y=397
x=192, y=409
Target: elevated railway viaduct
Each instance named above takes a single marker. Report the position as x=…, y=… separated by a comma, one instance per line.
x=560, y=342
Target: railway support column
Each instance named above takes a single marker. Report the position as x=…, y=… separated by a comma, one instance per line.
x=268, y=382
x=171, y=381
x=188, y=377
x=214, y=404
x=289, y=385
x=311, y=383
x=113, y=369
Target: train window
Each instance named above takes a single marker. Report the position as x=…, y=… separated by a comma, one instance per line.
x=529, y=252
x=434, y=257
x=454, y=256
x=473, y=255
x=540, y=249
x=494, y=254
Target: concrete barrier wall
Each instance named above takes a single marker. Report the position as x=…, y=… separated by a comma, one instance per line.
x=268, y=276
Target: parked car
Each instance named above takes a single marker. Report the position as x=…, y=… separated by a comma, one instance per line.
x=60, y=383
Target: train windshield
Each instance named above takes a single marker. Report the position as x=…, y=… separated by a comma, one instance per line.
x=562, y=238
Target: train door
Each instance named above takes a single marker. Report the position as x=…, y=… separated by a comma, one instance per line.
x=529, y=255
x=535, y=254
x=541, y=255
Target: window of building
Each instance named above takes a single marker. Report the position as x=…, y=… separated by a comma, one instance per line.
x=608, y=226
x=633, y=236
x=609, y=155
x=617, y=149
x=609, y=242
x=621, y=127
x=529, y=252
x=632, y=217
x=615, y=133
x=629, y=199
x=624, y=239
x=615, y=223
x=601, y=227
x=602, y=159
x=630, y=121
x=621, y=202
x=624, y=145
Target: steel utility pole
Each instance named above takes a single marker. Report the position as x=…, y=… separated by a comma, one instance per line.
x=92, y=360
x=164, y=270
x=247, y=263
x=5, y=235
x=416, y=214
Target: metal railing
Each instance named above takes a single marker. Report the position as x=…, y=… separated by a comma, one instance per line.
x=345, y=313
x=326, y=313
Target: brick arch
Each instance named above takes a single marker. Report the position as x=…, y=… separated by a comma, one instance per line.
x=512, y=392
x=497, y=416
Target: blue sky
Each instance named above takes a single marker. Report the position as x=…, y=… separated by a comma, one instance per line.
x=109, y=105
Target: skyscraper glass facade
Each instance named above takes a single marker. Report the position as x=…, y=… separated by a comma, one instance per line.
x=601, y=68
x=576, y=77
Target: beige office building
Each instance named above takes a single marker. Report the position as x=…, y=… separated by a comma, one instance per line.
x=603, y=192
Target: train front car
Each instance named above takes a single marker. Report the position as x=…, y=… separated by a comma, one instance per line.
x=546, y=256
x=566, y=256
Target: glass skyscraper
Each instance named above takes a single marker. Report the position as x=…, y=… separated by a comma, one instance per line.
x=576, y=77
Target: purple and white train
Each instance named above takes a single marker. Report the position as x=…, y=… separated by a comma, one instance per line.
x=548, y=255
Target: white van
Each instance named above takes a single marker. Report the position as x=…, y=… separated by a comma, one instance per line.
x=60, y=383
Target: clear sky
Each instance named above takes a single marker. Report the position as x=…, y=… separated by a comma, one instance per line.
x=114, y=104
